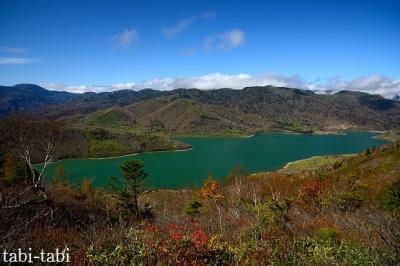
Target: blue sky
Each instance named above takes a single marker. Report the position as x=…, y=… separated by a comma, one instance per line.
x=98, y=44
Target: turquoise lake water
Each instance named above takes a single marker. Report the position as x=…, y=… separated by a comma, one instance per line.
x=189, y=168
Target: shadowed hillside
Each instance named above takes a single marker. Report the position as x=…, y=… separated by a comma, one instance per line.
x=28, y=97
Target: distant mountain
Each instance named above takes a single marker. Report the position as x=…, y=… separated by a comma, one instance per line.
x=249, y=110
x=90, y=102
x=396, y=97
x=28, y=97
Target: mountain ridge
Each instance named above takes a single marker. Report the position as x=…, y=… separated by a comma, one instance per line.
x=279, y=107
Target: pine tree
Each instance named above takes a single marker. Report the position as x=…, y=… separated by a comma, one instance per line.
x=194, y=208
x=133, y=176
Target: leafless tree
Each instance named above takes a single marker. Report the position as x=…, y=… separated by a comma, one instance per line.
x=34, y=143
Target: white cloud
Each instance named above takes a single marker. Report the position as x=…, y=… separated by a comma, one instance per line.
x=189, y=52
x=225, y=41
x=16, y=50
x=95, y=88
x=184, y=24
x=178, y=28
x=62, y=87
x=17, y=60
x=375, y=84
x=125, y=39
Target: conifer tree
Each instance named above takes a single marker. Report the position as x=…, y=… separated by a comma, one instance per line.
x=134, y=177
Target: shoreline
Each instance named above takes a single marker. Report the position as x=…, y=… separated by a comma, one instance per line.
x=329, y=133
x=283, y=131
x=132, y=154
x=390, y=136
x=315, y=157
x=115, y=157
x=214, y=136
x=228, y=136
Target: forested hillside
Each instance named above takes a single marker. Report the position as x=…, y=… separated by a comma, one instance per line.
x=251, y=109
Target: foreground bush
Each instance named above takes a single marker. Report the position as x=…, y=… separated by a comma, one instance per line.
x=171, y=244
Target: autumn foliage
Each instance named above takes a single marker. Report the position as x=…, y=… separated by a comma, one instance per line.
x=210, y=189
x=346, y=215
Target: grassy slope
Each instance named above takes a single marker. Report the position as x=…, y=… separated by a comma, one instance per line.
x=315, y=162
x=108, y=118
x=124, y=135
x=392, y=135
x=178, y=117
x=372, y=171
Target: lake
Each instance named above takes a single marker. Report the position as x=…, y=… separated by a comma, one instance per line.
x=177, y=169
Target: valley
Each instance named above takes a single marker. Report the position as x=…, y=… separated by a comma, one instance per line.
x=124, y=122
